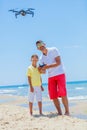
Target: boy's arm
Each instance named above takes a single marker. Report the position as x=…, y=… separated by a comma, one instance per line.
x=30, y=84
x=41, y=84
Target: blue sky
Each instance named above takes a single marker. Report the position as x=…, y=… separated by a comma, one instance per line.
x=62, y=24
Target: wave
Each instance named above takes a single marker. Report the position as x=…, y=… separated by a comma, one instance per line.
x=79, y=88
x=78, y=98
x=7, y=91
x=21, y=87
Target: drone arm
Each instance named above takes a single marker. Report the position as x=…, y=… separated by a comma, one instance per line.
x=31, y=12
x=16, y=16
x=29, y=9
x=13, y=11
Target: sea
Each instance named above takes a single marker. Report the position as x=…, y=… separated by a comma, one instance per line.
x=77, y=90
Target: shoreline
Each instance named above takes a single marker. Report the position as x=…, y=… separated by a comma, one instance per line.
x=77, y=107
x=14, y=116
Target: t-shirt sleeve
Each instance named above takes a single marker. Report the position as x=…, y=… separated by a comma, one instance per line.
x=56, y=52
x=28, y=72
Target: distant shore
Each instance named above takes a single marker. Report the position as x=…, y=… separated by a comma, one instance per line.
x=14, y=116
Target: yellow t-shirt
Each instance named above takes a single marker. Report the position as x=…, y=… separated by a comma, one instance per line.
x=35, y=76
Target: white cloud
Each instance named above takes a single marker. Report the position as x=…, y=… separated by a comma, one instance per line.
x=73, y=46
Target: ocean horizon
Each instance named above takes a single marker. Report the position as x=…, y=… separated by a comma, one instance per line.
x=25, y=84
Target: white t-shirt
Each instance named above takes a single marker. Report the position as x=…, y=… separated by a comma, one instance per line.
x=50, y=59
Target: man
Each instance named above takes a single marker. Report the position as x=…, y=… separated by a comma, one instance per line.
x=56, y=75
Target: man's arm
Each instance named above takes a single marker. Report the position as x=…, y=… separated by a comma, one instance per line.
x=42, y=70
x=58, y=62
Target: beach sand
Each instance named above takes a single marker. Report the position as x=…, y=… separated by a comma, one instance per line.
x=15, y=117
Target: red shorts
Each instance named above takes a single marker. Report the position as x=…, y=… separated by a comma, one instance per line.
x=57, y=86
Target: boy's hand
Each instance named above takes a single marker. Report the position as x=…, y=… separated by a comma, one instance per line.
x=42, y=88
x=31, y=89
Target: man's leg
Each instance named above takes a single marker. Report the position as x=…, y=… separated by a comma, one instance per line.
x=61, y=81
x=53, y=94
x=57, y=105
x=65, y=103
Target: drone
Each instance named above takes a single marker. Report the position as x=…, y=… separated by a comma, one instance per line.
x=23, y=12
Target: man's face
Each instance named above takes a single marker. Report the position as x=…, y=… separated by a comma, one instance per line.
x=41, y=47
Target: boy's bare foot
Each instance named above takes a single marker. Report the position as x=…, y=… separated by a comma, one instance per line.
x=30, y=114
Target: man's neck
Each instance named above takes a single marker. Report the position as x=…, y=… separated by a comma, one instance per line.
x=45, y=53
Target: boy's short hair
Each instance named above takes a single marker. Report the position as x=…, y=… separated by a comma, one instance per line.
x=35, y=55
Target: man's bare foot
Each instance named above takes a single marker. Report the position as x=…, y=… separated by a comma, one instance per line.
x=67, y=114
x=41, y=114
x=59, y=114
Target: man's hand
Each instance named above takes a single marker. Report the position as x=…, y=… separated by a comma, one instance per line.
x=42, y=70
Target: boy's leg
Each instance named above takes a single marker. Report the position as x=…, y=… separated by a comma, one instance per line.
x=40, y=107
x=39, y=98
x=31, y=100
x=30, y=107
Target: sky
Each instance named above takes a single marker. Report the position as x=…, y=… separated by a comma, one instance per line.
x=59, y=23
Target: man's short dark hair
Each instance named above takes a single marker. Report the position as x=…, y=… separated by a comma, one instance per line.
x=39, y=41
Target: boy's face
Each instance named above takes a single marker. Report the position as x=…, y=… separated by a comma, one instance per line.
x=34, y=60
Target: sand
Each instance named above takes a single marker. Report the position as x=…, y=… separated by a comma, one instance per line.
x=15, y=117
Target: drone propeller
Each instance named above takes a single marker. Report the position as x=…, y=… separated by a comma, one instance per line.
x=30, y=9
x=13, y=10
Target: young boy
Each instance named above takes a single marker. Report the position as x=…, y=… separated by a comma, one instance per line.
x=35, y=83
